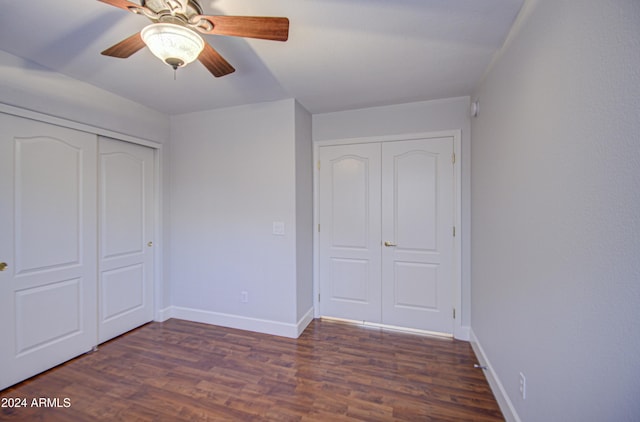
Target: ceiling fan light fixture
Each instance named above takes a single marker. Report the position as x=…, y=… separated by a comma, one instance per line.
x=175, y=45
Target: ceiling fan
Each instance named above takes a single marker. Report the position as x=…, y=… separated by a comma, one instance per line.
x=173, y=36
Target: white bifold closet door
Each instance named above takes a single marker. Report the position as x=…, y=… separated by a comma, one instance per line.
x=126, y=217
x=386, y=242
x=47, y=246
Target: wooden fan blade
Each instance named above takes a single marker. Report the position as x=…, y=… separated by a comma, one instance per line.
x=213, y=61
x=122, y=4
x=125, y=48
x=266, y=28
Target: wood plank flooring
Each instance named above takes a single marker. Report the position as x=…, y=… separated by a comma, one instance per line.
x=185, y=371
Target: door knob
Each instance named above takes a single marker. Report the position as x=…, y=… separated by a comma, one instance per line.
x=387, y=243
x=3, y=266
x=149, y=244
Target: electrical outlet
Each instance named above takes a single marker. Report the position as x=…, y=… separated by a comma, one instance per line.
x=244, y=296
x=523, y=386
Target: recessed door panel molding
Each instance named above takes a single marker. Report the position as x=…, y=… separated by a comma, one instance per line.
x=122, y=291
x=123, y=209
x=416, y=207
x=48, y=219
x=47, y=176
x=415, y=286
x=349, y=280
x=126, y=223
x=350, y=199
x=349, y=189
x=35, y=328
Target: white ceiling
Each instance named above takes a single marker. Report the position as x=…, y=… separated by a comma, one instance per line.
x=341, y=54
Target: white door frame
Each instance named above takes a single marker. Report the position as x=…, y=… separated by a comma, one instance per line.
x=459, y=331
x=158, y=298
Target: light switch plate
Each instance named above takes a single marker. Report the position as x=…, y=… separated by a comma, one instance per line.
x=278, y=228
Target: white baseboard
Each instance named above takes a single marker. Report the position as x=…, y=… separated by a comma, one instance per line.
x=163, y=314
x=305, y=321
x=461, y=332
x=506, y=406
x=264, y=326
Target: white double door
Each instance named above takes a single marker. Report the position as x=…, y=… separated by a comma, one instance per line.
x=386, y=233
x=74, y=222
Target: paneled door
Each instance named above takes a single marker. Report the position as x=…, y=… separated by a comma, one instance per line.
x=47, y=246
x=126, y=221
x=386, y=242
x=349, y=190
x=417, y=234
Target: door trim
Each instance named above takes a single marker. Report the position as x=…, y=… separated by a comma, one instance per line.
x=459, y=331
x=70, y=124
x=158, y=287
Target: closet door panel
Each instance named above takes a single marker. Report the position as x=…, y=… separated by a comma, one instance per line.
x=417, y=223
x=126, y=198
x=350, y=232
x=48, y=245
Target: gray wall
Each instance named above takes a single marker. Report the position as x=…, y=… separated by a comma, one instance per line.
x=30, y=86
x=304, y=211
x=556, y=204
x=233, y=173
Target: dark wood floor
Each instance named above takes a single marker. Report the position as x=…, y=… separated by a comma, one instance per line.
x=179, y=370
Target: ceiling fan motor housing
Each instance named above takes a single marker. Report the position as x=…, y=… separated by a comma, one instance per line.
x=173, y=11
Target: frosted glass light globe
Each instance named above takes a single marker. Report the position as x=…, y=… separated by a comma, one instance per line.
x=175, y=45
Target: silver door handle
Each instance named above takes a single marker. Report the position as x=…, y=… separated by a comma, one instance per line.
x=387, y=243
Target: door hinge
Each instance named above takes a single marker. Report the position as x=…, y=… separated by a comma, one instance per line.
x=454, y=313
x=454, y=231
x=318, y=164
x=318, y=297
x=453, y=158
x=318, y=227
